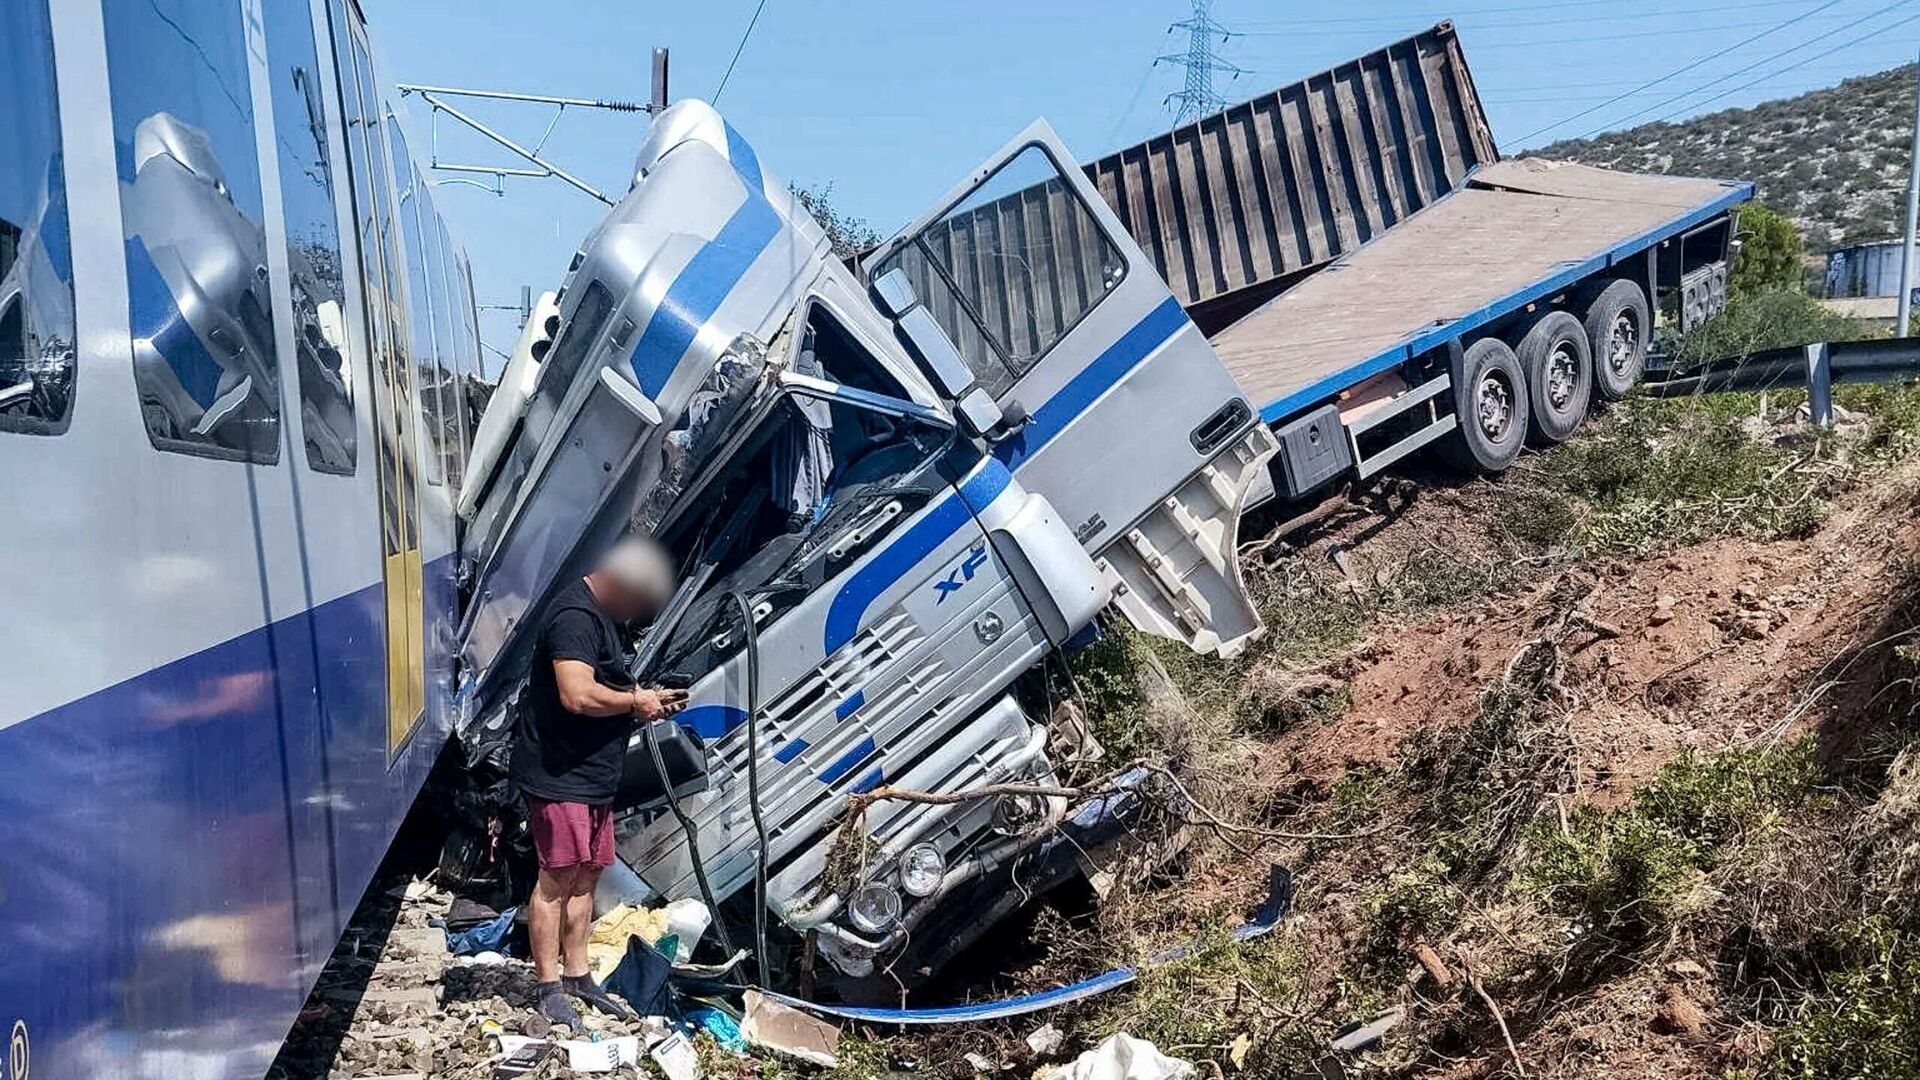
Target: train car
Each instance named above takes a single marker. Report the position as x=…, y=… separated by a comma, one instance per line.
x=235, y=340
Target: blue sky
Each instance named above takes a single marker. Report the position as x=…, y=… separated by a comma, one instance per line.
x=891, y=102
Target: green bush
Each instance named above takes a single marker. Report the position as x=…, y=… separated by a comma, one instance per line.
x=1866, y=1023
x=1417, y=902
x=1105, y=677
x=1221, y=988
x=1626, y=871
x=1770, y=251
x=1893, y=417
x=1661, y=473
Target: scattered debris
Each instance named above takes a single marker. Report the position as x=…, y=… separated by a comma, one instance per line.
x=787, y=1030
x=1362, y=1037
x=677, y=1058
x=583, y=1055
x=1120, y=1056
x=490, y=936
x=1046, y=1040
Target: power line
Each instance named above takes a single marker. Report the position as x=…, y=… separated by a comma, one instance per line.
x=1199, y=98
x=1683, y=69
x=1457, y=13
x=1849, y=70
x=738, y=49
x=1784, y=70
x=1126, y=114
x=1593, y=39
x=1571, y=99
x=1323, y=27
x=1621, y=121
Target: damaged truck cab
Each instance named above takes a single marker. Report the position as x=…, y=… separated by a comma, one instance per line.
x=889, y=493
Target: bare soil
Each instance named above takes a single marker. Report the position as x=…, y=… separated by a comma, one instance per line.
x=1718, y=645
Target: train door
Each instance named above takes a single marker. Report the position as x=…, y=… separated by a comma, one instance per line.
x=397, y=456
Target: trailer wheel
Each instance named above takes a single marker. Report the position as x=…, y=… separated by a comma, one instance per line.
x=1490, y=402
x=1619, y=326
x=1559, y=366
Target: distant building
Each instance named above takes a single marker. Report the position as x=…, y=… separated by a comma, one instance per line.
x=1863, y=280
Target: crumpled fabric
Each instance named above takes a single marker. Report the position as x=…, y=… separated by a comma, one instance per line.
x=641, y=978
x=1120, y=1056
x=607, y=944
x=489, y=936
x=724, y=1029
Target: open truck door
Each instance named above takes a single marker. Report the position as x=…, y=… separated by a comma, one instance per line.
x=1026, y=301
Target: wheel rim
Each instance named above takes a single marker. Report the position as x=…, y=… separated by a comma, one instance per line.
x=1623, y=340
x=1563, y=375
x=1493, y=404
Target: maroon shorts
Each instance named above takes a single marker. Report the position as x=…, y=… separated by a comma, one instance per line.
x=570, y=834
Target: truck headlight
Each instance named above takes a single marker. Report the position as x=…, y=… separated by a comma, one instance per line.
x=1015, y=814
x=921, y=869
x=875, y=908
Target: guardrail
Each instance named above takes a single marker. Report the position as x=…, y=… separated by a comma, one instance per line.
x=1817, y=366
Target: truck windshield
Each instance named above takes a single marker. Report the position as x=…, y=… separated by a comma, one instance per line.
x=787, y=501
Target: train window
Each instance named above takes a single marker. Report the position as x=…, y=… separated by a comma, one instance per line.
x=36, y=280
x=313, y=238
x=447, y=356
x=380, y=270
x=478, y=390
x=200, y=307
x=420, y=311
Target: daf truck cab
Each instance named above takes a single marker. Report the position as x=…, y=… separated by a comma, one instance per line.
x=890, y=491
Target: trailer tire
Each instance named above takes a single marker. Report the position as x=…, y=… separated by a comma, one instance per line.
x=1490, y=403
x=1559, y=365
x=1619, y=327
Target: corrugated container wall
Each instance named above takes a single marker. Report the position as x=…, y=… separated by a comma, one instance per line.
x=1231, y=206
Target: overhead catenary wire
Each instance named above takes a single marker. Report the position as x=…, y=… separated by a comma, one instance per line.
x=1735, y=73
x=738, y=49
x=1681, y=70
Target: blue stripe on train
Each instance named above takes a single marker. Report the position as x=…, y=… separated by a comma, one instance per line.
x=187, y=844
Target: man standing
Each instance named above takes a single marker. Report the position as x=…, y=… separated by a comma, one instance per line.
x=569, y=747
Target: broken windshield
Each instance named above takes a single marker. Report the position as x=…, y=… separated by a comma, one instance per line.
x=779, y=486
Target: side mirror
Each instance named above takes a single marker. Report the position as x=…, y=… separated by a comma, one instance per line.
x=895, y=293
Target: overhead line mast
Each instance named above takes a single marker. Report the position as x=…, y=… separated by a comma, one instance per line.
x=1199, y=98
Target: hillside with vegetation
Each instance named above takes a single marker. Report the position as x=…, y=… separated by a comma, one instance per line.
x=1834, y=160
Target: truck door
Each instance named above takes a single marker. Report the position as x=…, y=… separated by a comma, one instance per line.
x=1025, y=299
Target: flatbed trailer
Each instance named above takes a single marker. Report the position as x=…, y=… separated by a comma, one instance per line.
x=1386, y=340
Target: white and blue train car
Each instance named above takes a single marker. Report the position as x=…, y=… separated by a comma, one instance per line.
x=235, y=346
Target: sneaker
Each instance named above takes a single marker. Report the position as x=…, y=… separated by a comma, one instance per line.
x=551, y=1002
x=584, y=988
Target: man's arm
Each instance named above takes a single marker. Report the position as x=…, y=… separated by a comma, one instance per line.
x=585, y=695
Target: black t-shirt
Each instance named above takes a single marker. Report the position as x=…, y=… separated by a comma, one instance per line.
x=559, y=755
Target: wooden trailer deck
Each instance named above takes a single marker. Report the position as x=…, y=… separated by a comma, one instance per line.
x=1518, y=232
